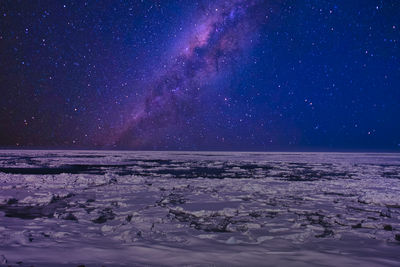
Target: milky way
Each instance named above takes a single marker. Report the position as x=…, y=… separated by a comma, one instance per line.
x=259, y=75
x=212, y=44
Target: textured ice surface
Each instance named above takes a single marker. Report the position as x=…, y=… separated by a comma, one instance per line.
x=189, y=208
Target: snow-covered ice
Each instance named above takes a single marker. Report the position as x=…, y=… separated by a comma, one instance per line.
x=116, y=208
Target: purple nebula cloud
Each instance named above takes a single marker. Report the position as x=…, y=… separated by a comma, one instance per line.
x=221, y=34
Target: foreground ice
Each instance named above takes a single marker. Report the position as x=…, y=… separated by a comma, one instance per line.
x=184, y=208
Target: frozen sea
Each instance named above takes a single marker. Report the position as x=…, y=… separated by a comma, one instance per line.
x=113, y=208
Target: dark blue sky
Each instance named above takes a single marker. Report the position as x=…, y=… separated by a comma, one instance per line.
x=200, y=75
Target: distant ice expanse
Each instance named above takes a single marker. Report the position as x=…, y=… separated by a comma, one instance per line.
x=113, y=208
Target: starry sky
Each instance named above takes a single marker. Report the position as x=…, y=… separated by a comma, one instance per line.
x=249, y=75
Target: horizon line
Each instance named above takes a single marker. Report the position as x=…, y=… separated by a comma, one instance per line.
x=339, y=151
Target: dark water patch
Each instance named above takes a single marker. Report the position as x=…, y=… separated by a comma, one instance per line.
x=211, y=172
x=391, y=175
x=158, y=161
x=106, y=214
x=29, y=212
x=312, y=175
x=81, y=156
x=12, y=201
x=16, y=160
x=255, y=214
x=387, y=227
x=72, y=169
x=69, y=217
x=212, y=223
x=357, y=226
x=393, y=206
x=213, y=155
x=143, y=168
x=194, y=172
x=397, y=237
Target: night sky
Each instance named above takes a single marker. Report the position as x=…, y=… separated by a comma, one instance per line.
x=263, y=75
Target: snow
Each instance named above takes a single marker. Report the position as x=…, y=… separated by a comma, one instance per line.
x=198, y=208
